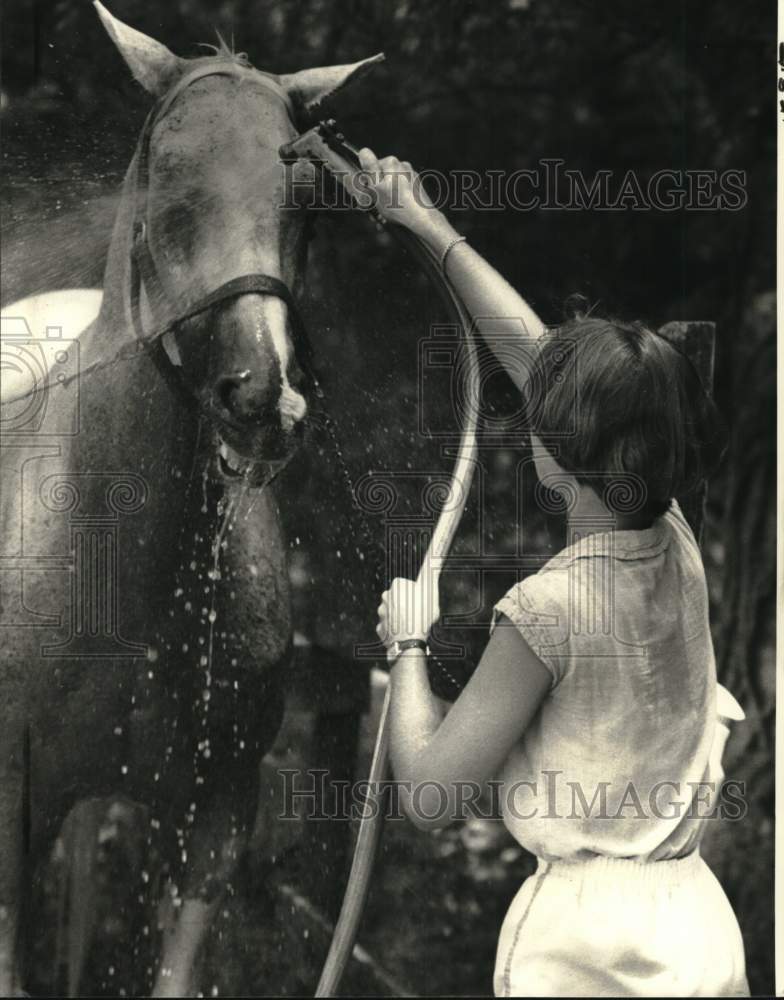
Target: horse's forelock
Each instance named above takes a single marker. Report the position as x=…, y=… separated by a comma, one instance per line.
x=225, y=52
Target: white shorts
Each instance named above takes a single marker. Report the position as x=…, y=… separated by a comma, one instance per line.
x=618, y=928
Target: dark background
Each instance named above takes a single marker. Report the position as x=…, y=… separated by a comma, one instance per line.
x=491, y=86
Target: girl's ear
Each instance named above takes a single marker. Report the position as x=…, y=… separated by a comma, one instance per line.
x=309, y=87
x=152, y=64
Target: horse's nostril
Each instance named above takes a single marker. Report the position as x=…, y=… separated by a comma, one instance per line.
x=239, y=395
x=226, y=387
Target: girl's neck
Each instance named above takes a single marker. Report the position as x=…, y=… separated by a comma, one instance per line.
x=589, y=515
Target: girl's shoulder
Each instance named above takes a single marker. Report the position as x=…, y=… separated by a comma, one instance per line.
x=566, y=609
x=538, y=608
x=544, y=592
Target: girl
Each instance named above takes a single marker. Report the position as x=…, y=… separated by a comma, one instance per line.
x=595, y=702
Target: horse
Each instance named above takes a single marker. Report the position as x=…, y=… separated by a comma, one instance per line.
x=145, y=588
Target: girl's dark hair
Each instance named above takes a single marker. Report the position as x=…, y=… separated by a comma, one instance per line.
x=611, y=398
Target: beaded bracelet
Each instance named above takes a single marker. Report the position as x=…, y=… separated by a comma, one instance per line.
x=447, y=248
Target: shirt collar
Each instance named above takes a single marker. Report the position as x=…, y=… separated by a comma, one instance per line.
x=641, y=543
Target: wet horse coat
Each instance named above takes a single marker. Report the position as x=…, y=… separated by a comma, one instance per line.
x=145, y=591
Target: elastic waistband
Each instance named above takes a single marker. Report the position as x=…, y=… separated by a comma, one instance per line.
x=625, y=871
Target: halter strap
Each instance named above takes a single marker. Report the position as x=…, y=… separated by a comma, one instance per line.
x=222, y=67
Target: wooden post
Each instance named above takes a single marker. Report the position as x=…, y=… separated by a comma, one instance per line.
x=697, y=340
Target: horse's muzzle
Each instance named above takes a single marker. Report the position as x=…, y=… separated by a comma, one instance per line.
x=255, y=430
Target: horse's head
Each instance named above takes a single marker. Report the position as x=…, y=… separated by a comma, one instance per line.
x=214, y=212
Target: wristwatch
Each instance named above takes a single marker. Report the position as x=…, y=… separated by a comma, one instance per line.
x=399, y=647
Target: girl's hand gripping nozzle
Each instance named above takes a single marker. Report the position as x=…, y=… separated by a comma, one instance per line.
x=327, y=147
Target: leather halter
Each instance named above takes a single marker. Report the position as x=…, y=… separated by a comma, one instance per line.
x=145, y=273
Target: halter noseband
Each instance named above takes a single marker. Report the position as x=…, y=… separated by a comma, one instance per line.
x=143, y=269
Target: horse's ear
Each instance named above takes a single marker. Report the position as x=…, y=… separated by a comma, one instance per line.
x=152, y=64
x=310, y=86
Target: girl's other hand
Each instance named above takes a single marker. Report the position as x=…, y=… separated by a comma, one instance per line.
x=407, y=611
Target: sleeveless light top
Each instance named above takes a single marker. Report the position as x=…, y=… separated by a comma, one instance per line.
x=623, y=759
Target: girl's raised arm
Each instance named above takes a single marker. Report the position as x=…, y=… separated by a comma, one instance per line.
x=506, y=321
